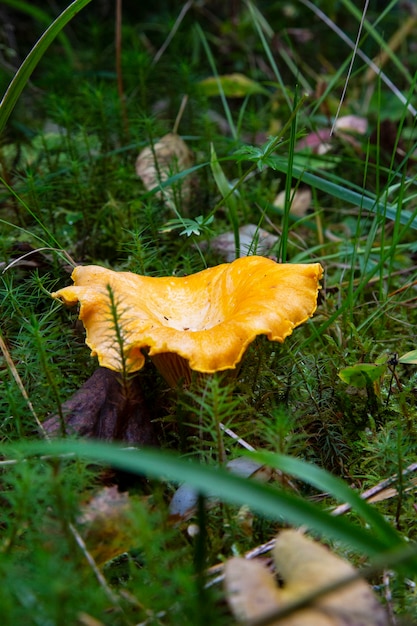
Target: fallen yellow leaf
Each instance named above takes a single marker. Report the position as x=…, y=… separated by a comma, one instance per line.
x=232, y=85
x=300, y=201
x=306, y=568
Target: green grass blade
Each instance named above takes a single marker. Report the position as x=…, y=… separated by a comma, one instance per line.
x=282, y=250
x=24, y=72
x=260, y=26
x=42, y=17
x=324, y=481
x=347, y=302
x=373, y=31
x=269, y=501
x=222, y=95
x=228, y=196
x=52, y=241
x=367, y=202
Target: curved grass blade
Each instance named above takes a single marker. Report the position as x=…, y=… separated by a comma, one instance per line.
x=265, y=499
x=347, y=195
x=324, y=481
x=24, y=72
x=42, y=17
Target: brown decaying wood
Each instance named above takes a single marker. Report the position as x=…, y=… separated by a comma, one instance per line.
x=101, y=409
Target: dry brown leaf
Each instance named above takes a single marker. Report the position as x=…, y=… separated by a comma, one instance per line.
x=167, y=157
x=321, y=140
x=251, y=589
x=352, y=124
x=300, y=201
x=306, y=567
x=107, y=524
x=318, y=141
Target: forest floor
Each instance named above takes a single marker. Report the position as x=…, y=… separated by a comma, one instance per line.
x=165, y=141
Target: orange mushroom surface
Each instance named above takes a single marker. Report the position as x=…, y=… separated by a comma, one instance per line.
x=208, y=318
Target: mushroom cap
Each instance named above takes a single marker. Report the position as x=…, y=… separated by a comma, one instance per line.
x=208, y=318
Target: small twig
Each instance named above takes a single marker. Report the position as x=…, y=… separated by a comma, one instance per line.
x=369, y=493
x=362, y=55
x=187, y=6
x=374, y=280
x=20, y=258
x=236, y=437
x=103, y=582
x=388, y=598
x=355, y=50
x=10, y=462
x=119, y=72
x=403, y=288
x=43, y=457
x=180, y=113
x=217, y=570
x=19, y=382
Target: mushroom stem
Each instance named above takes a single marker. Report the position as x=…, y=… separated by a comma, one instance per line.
x=173, y=368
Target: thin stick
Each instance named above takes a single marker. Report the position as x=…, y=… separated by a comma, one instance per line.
x=217, y=570
x=236, y=437
x=20, y=258
x=103, y=582
x=365, y=8
x=174, y=29
x=369, y=493
x=362, y=55
x=43, y=457
x=388, y=597
x=119, y=72
x=18, y=380
x=180, y=113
